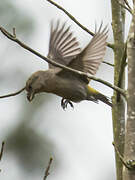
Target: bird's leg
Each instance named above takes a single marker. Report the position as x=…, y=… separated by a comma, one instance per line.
x=65, y=102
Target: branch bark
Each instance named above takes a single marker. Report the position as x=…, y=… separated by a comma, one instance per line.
x=118, y=111
x=125, y=6
x=129, y=151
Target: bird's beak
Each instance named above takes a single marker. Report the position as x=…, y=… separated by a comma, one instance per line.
x=30, y=96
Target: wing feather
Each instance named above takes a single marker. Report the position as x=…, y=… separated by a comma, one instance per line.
x=91, y=57
x=63, y=47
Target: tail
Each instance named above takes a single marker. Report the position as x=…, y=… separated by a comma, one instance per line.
x=94, y=95
x=104, y=99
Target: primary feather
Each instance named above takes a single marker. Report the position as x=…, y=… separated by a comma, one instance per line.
x=91, y=57
x=63, y=47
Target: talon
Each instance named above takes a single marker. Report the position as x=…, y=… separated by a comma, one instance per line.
x=71, y=104
x=65, y=102
x=63, y=105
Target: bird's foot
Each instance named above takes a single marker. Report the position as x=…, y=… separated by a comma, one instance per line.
x=65, y=102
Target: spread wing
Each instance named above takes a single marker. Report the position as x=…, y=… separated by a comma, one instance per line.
x=63, y=47
x=91, y=57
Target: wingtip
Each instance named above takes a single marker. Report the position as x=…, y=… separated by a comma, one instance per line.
x=105, y=30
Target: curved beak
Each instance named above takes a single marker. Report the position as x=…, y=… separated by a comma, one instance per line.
x=30, y=96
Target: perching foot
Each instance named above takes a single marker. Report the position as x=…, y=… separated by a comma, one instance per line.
x=65, y=102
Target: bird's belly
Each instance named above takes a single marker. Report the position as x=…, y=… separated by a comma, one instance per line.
x=72, y=91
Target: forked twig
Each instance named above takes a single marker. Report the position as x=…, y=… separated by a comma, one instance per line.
x=126, y=2
x=130, y=164
x=127, y=7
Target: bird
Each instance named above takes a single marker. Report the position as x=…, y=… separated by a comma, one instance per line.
x=65, y=49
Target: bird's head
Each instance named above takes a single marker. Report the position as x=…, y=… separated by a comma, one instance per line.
x=34, y=84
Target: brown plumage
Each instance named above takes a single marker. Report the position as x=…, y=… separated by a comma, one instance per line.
x=64, y=48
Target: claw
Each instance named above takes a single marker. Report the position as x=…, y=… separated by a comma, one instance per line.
x=65, y=102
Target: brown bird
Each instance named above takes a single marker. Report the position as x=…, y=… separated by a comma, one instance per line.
x=64, y=49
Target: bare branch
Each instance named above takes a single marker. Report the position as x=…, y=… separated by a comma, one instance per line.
x=108, y=63
x=130, y=164
x=11, y=37
x=48, y=168
x=2, y=149
x=125, y=7
x=13, y=94
x=127, y=3
x=121, y=158
x=122, y=68
x=76, y=21
x=118, y=110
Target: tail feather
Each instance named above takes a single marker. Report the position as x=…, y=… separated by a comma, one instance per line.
x=104, y=99
x=94, y=95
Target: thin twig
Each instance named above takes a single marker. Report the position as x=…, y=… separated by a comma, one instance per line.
x=87, y=75
x=126, y=2
x=14, y=33
x=125, y=7
x=110, y=64
x=122, y=68
x=128, y=164
x=120, y=156
x=13, y=94
x=2, y=150
x=76, y=21
x=48, y=168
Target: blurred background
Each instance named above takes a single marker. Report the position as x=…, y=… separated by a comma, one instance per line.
x=79, y=139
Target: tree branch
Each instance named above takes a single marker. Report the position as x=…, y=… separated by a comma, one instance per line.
x=118, y=111
x=127, y=3
x=2, y=150
x=13, y=94
x=76, y=21
x=129, y=149
x=120, y=156
x=13, y=38
x=122, y=69
x=130, y=164
x=48, y=168
x=125, y=7
x=110, y=64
